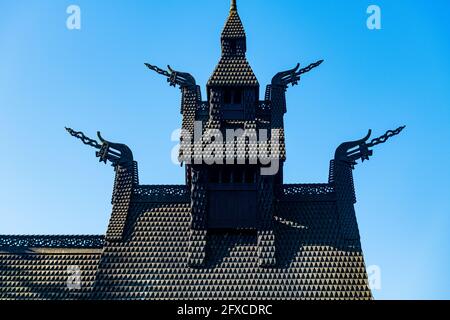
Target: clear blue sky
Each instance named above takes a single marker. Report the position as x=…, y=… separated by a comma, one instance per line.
x=95, y=79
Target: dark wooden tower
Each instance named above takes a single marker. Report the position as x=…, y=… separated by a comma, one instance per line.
x=231, y=194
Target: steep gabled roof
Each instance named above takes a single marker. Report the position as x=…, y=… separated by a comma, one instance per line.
x=233, y=26
x=153, y=263
x=233, y=68
x=233, y=71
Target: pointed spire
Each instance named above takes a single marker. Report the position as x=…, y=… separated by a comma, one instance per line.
x=233, y=26
x=233, y=5
x=233, y=68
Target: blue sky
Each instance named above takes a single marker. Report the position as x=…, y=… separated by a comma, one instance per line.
x=95, y=79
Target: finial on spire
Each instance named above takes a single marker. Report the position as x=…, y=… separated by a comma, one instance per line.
x=233, y=5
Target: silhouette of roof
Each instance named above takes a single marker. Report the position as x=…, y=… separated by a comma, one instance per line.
x=152, y=261
x=233, y=69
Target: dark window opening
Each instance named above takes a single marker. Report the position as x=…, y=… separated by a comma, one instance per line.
x=237, y=175
x=237, y=96
x=250, y=176
x=232, y=96
x=227, y=97
x=233, y=46
x=226, y=175
x=214, y=175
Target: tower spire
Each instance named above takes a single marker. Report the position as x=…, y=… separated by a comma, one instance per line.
x=233, y=5
x=233, y=69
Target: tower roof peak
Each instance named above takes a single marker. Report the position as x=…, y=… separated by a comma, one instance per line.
x=233, y=68
x=233, y=26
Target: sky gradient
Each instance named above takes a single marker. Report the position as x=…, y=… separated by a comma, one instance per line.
x=94, y=79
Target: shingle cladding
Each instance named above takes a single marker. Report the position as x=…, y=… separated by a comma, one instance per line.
x=152, y=262
x=233, y=71
x=43, y=268
x=233, y=26
x=312, y=261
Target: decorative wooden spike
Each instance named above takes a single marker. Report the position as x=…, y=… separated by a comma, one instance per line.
x=233, y=5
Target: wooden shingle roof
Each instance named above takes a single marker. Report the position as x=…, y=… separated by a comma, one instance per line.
x=152, y=262
x=233, y=71
x=233, y=26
